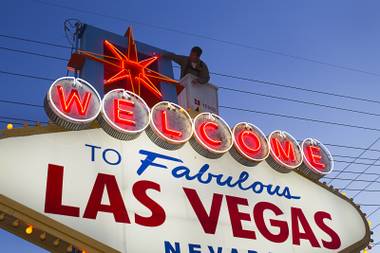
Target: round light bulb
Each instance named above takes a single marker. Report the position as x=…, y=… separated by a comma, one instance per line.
x=29, y=229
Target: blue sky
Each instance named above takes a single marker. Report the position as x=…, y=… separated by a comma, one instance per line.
x=341, y=32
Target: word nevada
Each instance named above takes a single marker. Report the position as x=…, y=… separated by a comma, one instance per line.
x=74, y=104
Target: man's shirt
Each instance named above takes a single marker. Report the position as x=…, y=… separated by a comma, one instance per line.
x=198, y=69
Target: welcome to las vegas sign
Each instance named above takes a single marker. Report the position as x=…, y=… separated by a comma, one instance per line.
x=156, y=180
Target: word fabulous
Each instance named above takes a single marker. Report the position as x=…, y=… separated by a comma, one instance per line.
x=73, y=103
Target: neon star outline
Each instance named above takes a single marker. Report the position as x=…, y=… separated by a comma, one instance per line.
x=142, y=74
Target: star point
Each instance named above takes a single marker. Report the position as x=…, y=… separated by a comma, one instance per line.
x=135, y=73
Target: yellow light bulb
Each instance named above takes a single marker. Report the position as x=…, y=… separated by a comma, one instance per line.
x=9, y=126
x=29, y=229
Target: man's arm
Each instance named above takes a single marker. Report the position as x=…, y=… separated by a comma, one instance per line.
x=204, y=75
x=179, y=59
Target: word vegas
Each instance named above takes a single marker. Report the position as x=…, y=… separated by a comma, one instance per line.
x=73, y=103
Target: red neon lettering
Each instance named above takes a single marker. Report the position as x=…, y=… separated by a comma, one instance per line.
x=66, y=104
x=249, y=142
x=208, y=221
x=158, y=215
x=335, y=242
x=209, y=126
x=286, y=154
x=165, y=126
x=258, y=213
x=313, y=155
x=119, y=112
x=116, y=205
x=54, y=189
x=237, y=217
x=299, y=219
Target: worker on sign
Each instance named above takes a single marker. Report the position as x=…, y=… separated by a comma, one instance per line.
x=192, y=64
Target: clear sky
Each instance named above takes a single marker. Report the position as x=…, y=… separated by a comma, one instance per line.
x=341, y=32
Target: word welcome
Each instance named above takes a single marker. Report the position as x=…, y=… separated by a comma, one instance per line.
x=73, y=103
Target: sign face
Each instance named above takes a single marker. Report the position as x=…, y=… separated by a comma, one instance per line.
x=124, y=115
x=317, y=157
x=251, y=145
x=171, y=125
x=72, y=103
x=284, y=151
x=137, y=197
x=212, y=134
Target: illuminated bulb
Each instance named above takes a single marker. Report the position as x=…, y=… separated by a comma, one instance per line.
x=2, y=216
x=16, y=223
x=9, y=126
x=56, y=242
x=69, y=248
x=29, y=230
x=369, y=223
x=344, y=194
x=43, y=236
x=365, y=251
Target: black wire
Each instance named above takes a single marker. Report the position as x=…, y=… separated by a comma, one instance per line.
x=354, y=162
x=357, y=172
x=237, y=44
x=368, y=185
x=373, y=212
x=30, y=120
x=225, y=88
x=266, y=113
x=360, y=155
x=301, y=118
x=342, y=156
x=347, y=156
x=20, y=103
x=276, y=84
x=15, y=123
x=356, y=180
x=230, y=76
x=21, y=119
x=33, y=41
x=234, y=108
x=32, y=53
x=298, y=101
x=351, y=147
x=335, y=155
x=49, y=79
x=365, y=190
x=26, y=75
